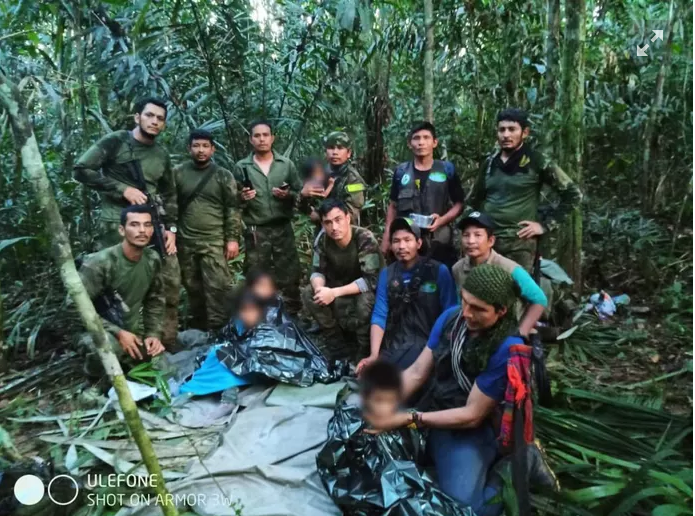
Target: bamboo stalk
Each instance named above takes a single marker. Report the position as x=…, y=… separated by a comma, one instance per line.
x=25, y=142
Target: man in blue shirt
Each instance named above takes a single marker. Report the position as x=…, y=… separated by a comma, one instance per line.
x=411, y=294
x=466, y=362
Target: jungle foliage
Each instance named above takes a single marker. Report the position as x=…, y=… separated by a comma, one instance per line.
x=619, y=432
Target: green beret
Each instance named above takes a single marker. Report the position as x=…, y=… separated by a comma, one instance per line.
x=492, y=284
x=337, y=138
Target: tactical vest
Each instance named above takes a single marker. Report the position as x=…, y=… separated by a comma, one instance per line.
x=431, y=197
x=413, y=307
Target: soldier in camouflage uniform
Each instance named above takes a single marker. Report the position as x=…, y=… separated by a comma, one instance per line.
x=344, y=182
x=344, y=274
x=270, y=188
x=124, y=282
x=104, y=168
x=209, y=229
x=509, y=186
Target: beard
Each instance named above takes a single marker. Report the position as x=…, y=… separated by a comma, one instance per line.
x=146, y=134
x=201, y=163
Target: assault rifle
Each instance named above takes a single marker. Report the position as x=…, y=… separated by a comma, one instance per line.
x=135, y=170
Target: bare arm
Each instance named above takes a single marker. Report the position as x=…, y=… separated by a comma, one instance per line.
x=477, y=408
x=530, y=318
x=451, y=215
x=351, y=289
x=415, y=376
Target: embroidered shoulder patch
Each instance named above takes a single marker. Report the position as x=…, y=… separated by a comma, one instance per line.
x=438, y=177
x=428, y=287
x=355, y=188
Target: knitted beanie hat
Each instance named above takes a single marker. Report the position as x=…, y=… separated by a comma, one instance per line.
x=492, y=284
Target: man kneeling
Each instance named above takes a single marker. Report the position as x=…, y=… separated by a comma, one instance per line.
x=343, y=280
x=466, y=358
x=125, y=285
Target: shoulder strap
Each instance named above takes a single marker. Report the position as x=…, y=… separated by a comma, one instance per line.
x=198, y=188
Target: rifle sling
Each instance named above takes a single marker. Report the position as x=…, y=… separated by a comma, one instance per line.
x=183, y=206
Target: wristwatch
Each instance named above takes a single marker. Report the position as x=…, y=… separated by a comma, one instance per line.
x=173, y=229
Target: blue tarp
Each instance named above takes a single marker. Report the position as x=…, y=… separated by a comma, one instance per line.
x=212, y=377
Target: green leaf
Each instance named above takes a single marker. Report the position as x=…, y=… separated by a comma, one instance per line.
x=671, y=510
x=532, y=95
x=346, y=12
x=12, y=241
x=596, y=492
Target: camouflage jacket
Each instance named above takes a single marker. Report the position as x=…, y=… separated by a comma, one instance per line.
x=104, y=168
x=138, y=284
x=359, y=262
x=349, y=187
x=511, y=193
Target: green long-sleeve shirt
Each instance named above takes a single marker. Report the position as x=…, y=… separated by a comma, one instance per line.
x=511, y=193
x=265, y=208
x=212, y=217
x=137, y=283
x=103, y=168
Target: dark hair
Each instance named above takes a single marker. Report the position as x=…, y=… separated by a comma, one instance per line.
x=249, y=298
x=514, y=115
x=330, y=204
x=135, y=208
x=422, y=126
x=253, y=125
x=142, y=103
x=490, y=232
x=255, y=275
x=200, y=134
x=380, y=376
x=309, y=165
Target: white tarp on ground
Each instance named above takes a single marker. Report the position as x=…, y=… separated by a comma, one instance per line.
x=266, y=460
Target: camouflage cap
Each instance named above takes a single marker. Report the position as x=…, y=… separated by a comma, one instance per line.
x=337, y=138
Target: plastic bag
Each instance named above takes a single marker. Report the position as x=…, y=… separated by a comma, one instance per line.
x=277, y=349
x=378, y=475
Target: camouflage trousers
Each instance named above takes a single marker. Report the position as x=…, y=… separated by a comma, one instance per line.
x=271, y=248
x=349, y=314
x=208, y=282
x=521, y=251
x=171, y=280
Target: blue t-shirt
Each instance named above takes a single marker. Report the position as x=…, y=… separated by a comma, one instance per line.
x=493, y=380
x=445, y=285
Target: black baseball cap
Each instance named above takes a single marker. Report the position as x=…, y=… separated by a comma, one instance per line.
x=476, y=218
x=405, y=224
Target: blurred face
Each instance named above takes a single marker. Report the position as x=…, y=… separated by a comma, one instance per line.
x=138, y=229
x=201, y=150
x=250, y=315
x=152, y=120
x=261, y=138
x=478, y=314
x=510, y=135
x=405, y=246
x=382, y=403
x=422, y=143
x=264, y=288
x=336, y=224
x=337, y=154
x=475, y=242
x=318, y=175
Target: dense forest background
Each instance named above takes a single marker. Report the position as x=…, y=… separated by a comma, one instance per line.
x=620, y=124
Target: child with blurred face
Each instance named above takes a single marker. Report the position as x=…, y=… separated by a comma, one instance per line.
x=251, y=312
x=380, y=389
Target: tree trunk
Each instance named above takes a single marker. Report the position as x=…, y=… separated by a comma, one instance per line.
x=25, y=142
x=572, y=111
x=552, y=67
x=377, y=112
x=428, y=100
x=654, y=110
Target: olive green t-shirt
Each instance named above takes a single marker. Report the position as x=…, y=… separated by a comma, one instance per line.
x=212, y=216
x=137, y=283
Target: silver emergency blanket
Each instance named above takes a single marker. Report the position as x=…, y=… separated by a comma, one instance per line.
x=278, y=349
x=383, y=475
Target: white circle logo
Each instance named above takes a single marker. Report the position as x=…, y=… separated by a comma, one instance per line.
x=405, y=179
x=29, y=489
x=77, y=490
x=475, y=214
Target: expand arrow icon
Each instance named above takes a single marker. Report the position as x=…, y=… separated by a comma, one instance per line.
x=658, y=34
x=642, y=51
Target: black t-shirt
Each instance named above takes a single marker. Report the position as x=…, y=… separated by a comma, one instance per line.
x=454, y=183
